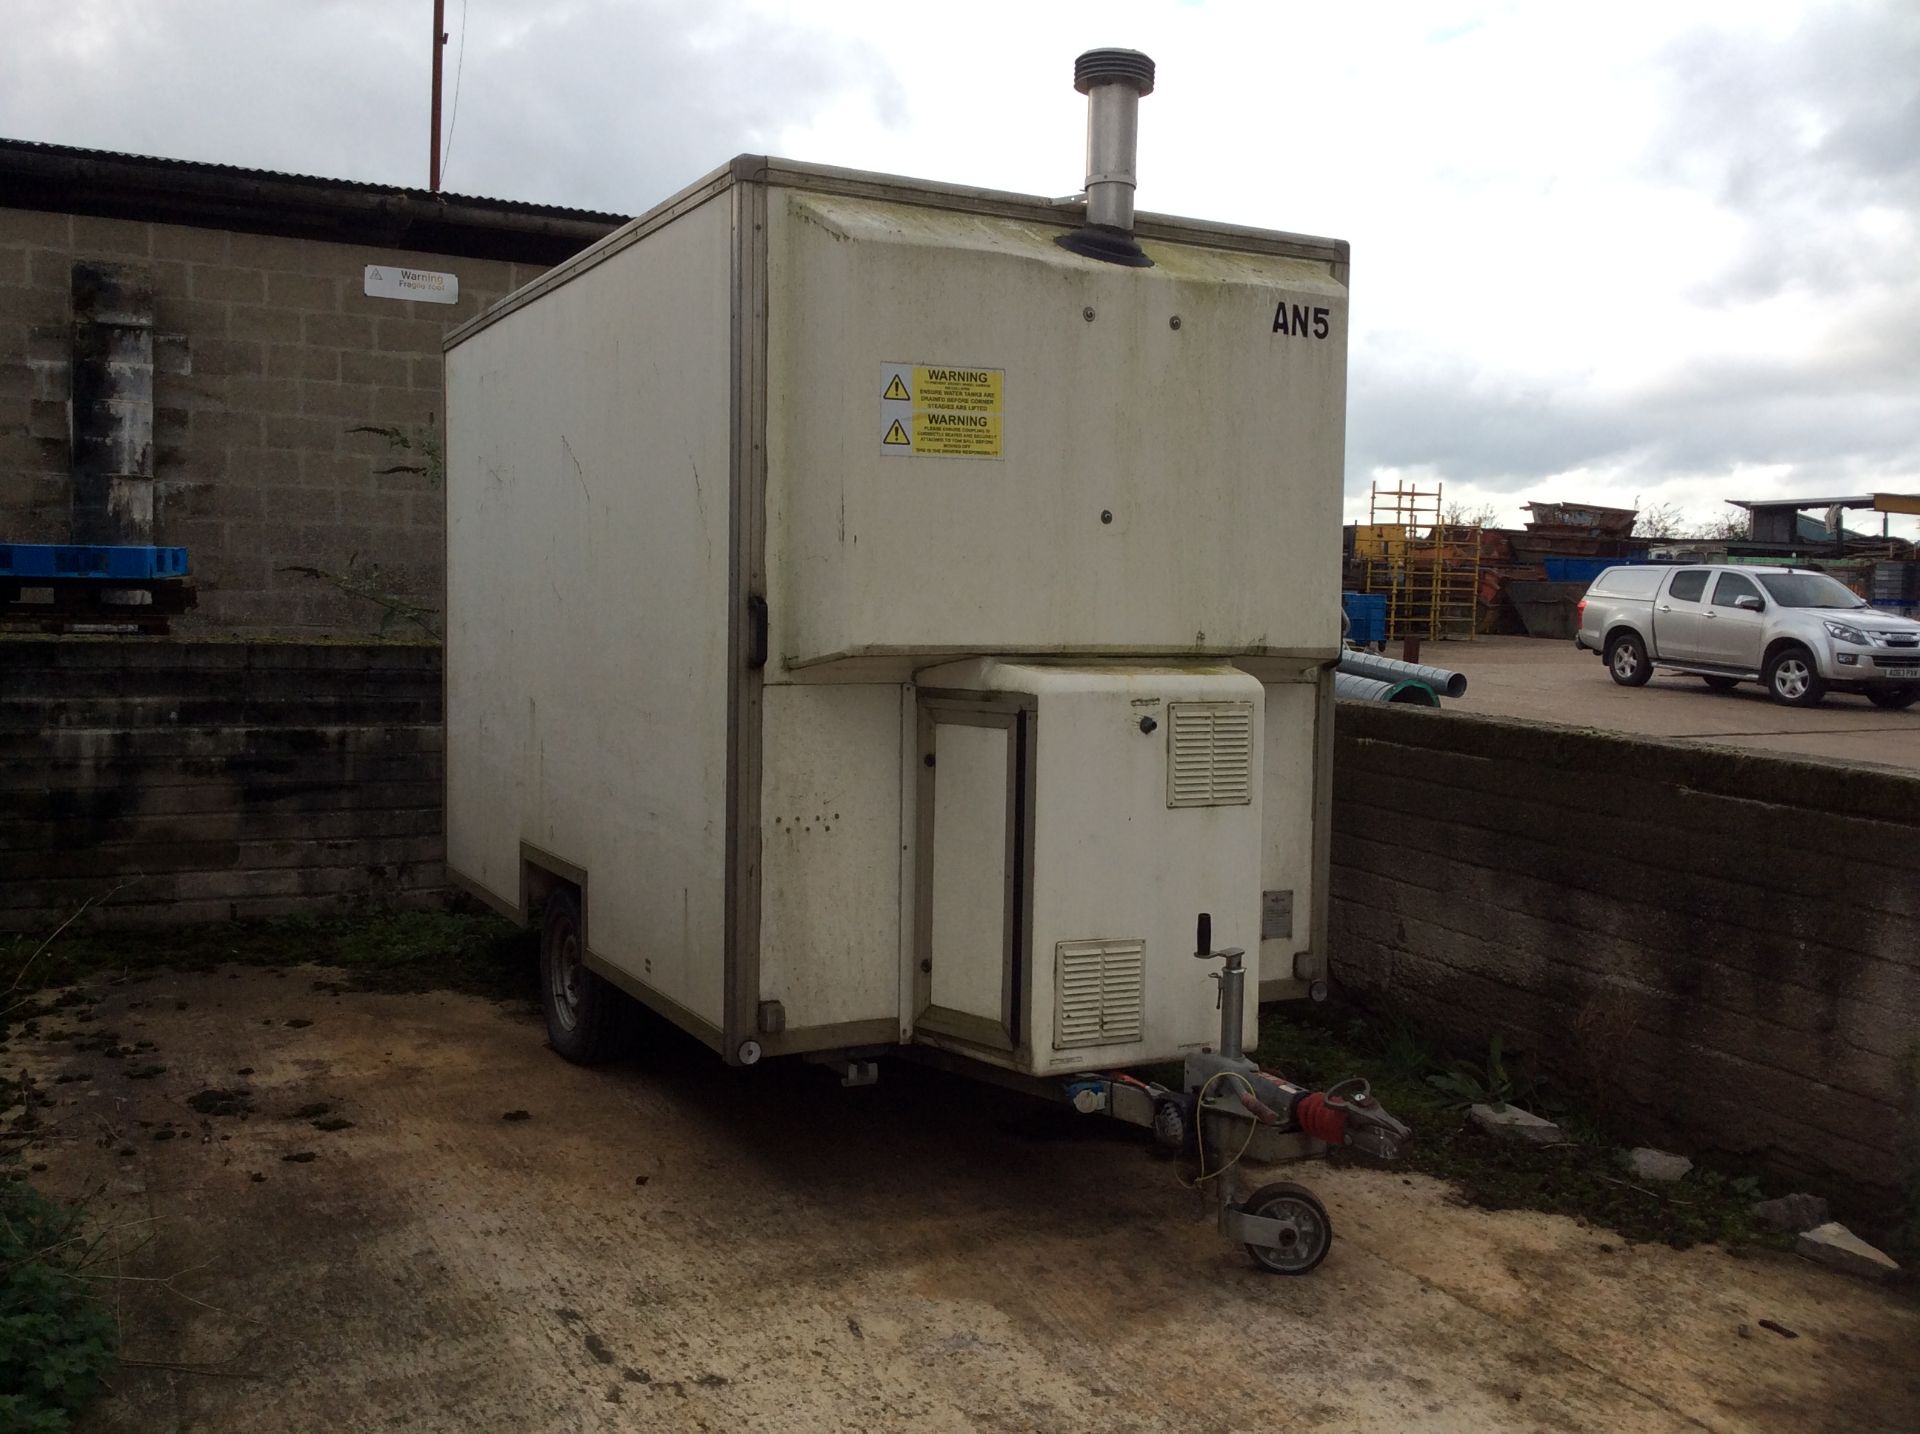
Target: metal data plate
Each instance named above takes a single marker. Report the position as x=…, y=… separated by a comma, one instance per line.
x=1276, y=915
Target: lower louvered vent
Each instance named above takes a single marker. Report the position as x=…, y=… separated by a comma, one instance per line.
x=1100, y=992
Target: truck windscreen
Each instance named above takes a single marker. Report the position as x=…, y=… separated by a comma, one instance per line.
x=1808, y=590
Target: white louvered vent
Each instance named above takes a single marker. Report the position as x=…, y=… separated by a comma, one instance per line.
x=1209, y=754
x=1099, y=993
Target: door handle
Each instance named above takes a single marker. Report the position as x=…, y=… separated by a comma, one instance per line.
x=1666, y=607
x=1710, y=613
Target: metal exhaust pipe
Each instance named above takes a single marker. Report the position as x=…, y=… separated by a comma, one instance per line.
x=1114, y=82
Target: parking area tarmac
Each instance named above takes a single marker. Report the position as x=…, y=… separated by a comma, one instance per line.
x=1551, y=681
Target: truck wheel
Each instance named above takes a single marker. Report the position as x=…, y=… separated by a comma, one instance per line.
x=1307, y=1234
x=1893, y=698
x=583, y=1012
x=1722, y=684
x=1627, y=660
x=1792, y=678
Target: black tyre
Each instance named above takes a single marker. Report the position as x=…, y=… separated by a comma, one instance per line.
x=1792, y=679
x=1627, y=660
x=1721, y=684
x=584, y=1013
x=1894, y=699
x=1308, y=1233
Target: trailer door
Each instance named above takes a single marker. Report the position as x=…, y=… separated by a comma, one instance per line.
x=973, y=860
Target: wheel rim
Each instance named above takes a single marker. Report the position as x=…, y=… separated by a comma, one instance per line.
x=1791, y=678
x=1302, y=1235
x=564, y=977
x=1624, y=661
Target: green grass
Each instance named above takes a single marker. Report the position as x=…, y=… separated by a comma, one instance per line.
x=1582, y=1178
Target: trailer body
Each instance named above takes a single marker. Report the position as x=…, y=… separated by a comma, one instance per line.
x=897, y=626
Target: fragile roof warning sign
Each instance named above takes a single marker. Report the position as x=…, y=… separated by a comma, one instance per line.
x=391, y=281
x=942, y=410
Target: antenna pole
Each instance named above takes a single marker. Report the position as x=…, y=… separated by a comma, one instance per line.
x=433, y=139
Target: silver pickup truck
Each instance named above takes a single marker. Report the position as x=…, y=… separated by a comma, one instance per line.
x=1798, y=633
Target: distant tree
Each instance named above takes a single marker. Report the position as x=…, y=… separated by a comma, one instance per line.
x=1657, y=520
x=1728, y=527
x=1460, y=515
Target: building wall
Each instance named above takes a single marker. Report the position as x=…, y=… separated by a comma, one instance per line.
x=1724, y=945
x=169, y=782
x=266, y=355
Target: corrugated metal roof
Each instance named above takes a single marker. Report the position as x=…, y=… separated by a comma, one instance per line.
x=357, y=186
x=55, y=178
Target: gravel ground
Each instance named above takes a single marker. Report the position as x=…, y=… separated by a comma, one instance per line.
x=668, y=1244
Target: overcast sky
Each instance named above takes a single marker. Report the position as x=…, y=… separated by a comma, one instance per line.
x=1666, y=252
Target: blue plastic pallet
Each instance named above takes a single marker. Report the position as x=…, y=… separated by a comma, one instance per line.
x=1366, y=617
x=126, y=562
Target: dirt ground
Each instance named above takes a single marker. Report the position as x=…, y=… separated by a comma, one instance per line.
x=1553, y=682
x=668, y=1244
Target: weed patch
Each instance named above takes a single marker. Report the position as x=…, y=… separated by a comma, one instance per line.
x=1581, y=1177
x=56, y=1341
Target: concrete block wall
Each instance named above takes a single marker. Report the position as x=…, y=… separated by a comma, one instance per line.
x=1725, y=946
x=267, y=354
x=172, y=782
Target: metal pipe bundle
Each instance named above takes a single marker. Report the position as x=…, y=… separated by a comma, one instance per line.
x=1389, y=670
x=1409, y=691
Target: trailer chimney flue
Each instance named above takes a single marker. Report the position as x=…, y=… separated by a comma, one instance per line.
x=1113, y=82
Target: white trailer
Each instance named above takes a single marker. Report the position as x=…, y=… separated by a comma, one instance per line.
x=881, y=614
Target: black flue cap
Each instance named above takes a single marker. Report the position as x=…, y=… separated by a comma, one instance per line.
x=1104, y=67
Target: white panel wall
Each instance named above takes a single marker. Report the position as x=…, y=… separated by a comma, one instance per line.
x=587, y=535
x=1216, y=446
x=830, y=853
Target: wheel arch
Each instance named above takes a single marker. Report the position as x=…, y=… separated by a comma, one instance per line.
x=1618, y=629
x=541, y=874
x=1781, y=643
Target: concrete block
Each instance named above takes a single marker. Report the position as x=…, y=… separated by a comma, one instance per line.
x=28, y=226
x=111, y=236
x=1514, y=1124
x=1659, y=1166
x=304, y=291
x=411, y=335
x=381, y=370
x=263, y=321
x=300, y=361
x=1791, y=1213
x=180, y=241
x=1834, y=1244
x=339, y=331
x=233, y=286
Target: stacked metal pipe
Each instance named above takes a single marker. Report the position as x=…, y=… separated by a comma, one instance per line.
x=1367, y=677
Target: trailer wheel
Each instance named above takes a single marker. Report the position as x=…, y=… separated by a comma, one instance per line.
x=1308, y=1233
x=1627, y=660
x=582, y=1011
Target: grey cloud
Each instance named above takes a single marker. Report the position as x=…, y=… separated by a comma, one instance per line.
x=596, y=103
x=1795, y=139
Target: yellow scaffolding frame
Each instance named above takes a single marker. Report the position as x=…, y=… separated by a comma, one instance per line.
x=1427, y=568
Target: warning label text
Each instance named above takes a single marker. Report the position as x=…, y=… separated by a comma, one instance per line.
x=942, y=410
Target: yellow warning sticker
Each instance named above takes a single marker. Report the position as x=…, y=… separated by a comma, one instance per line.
x=957, y=435
x=942, y=410
x=960, y=390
